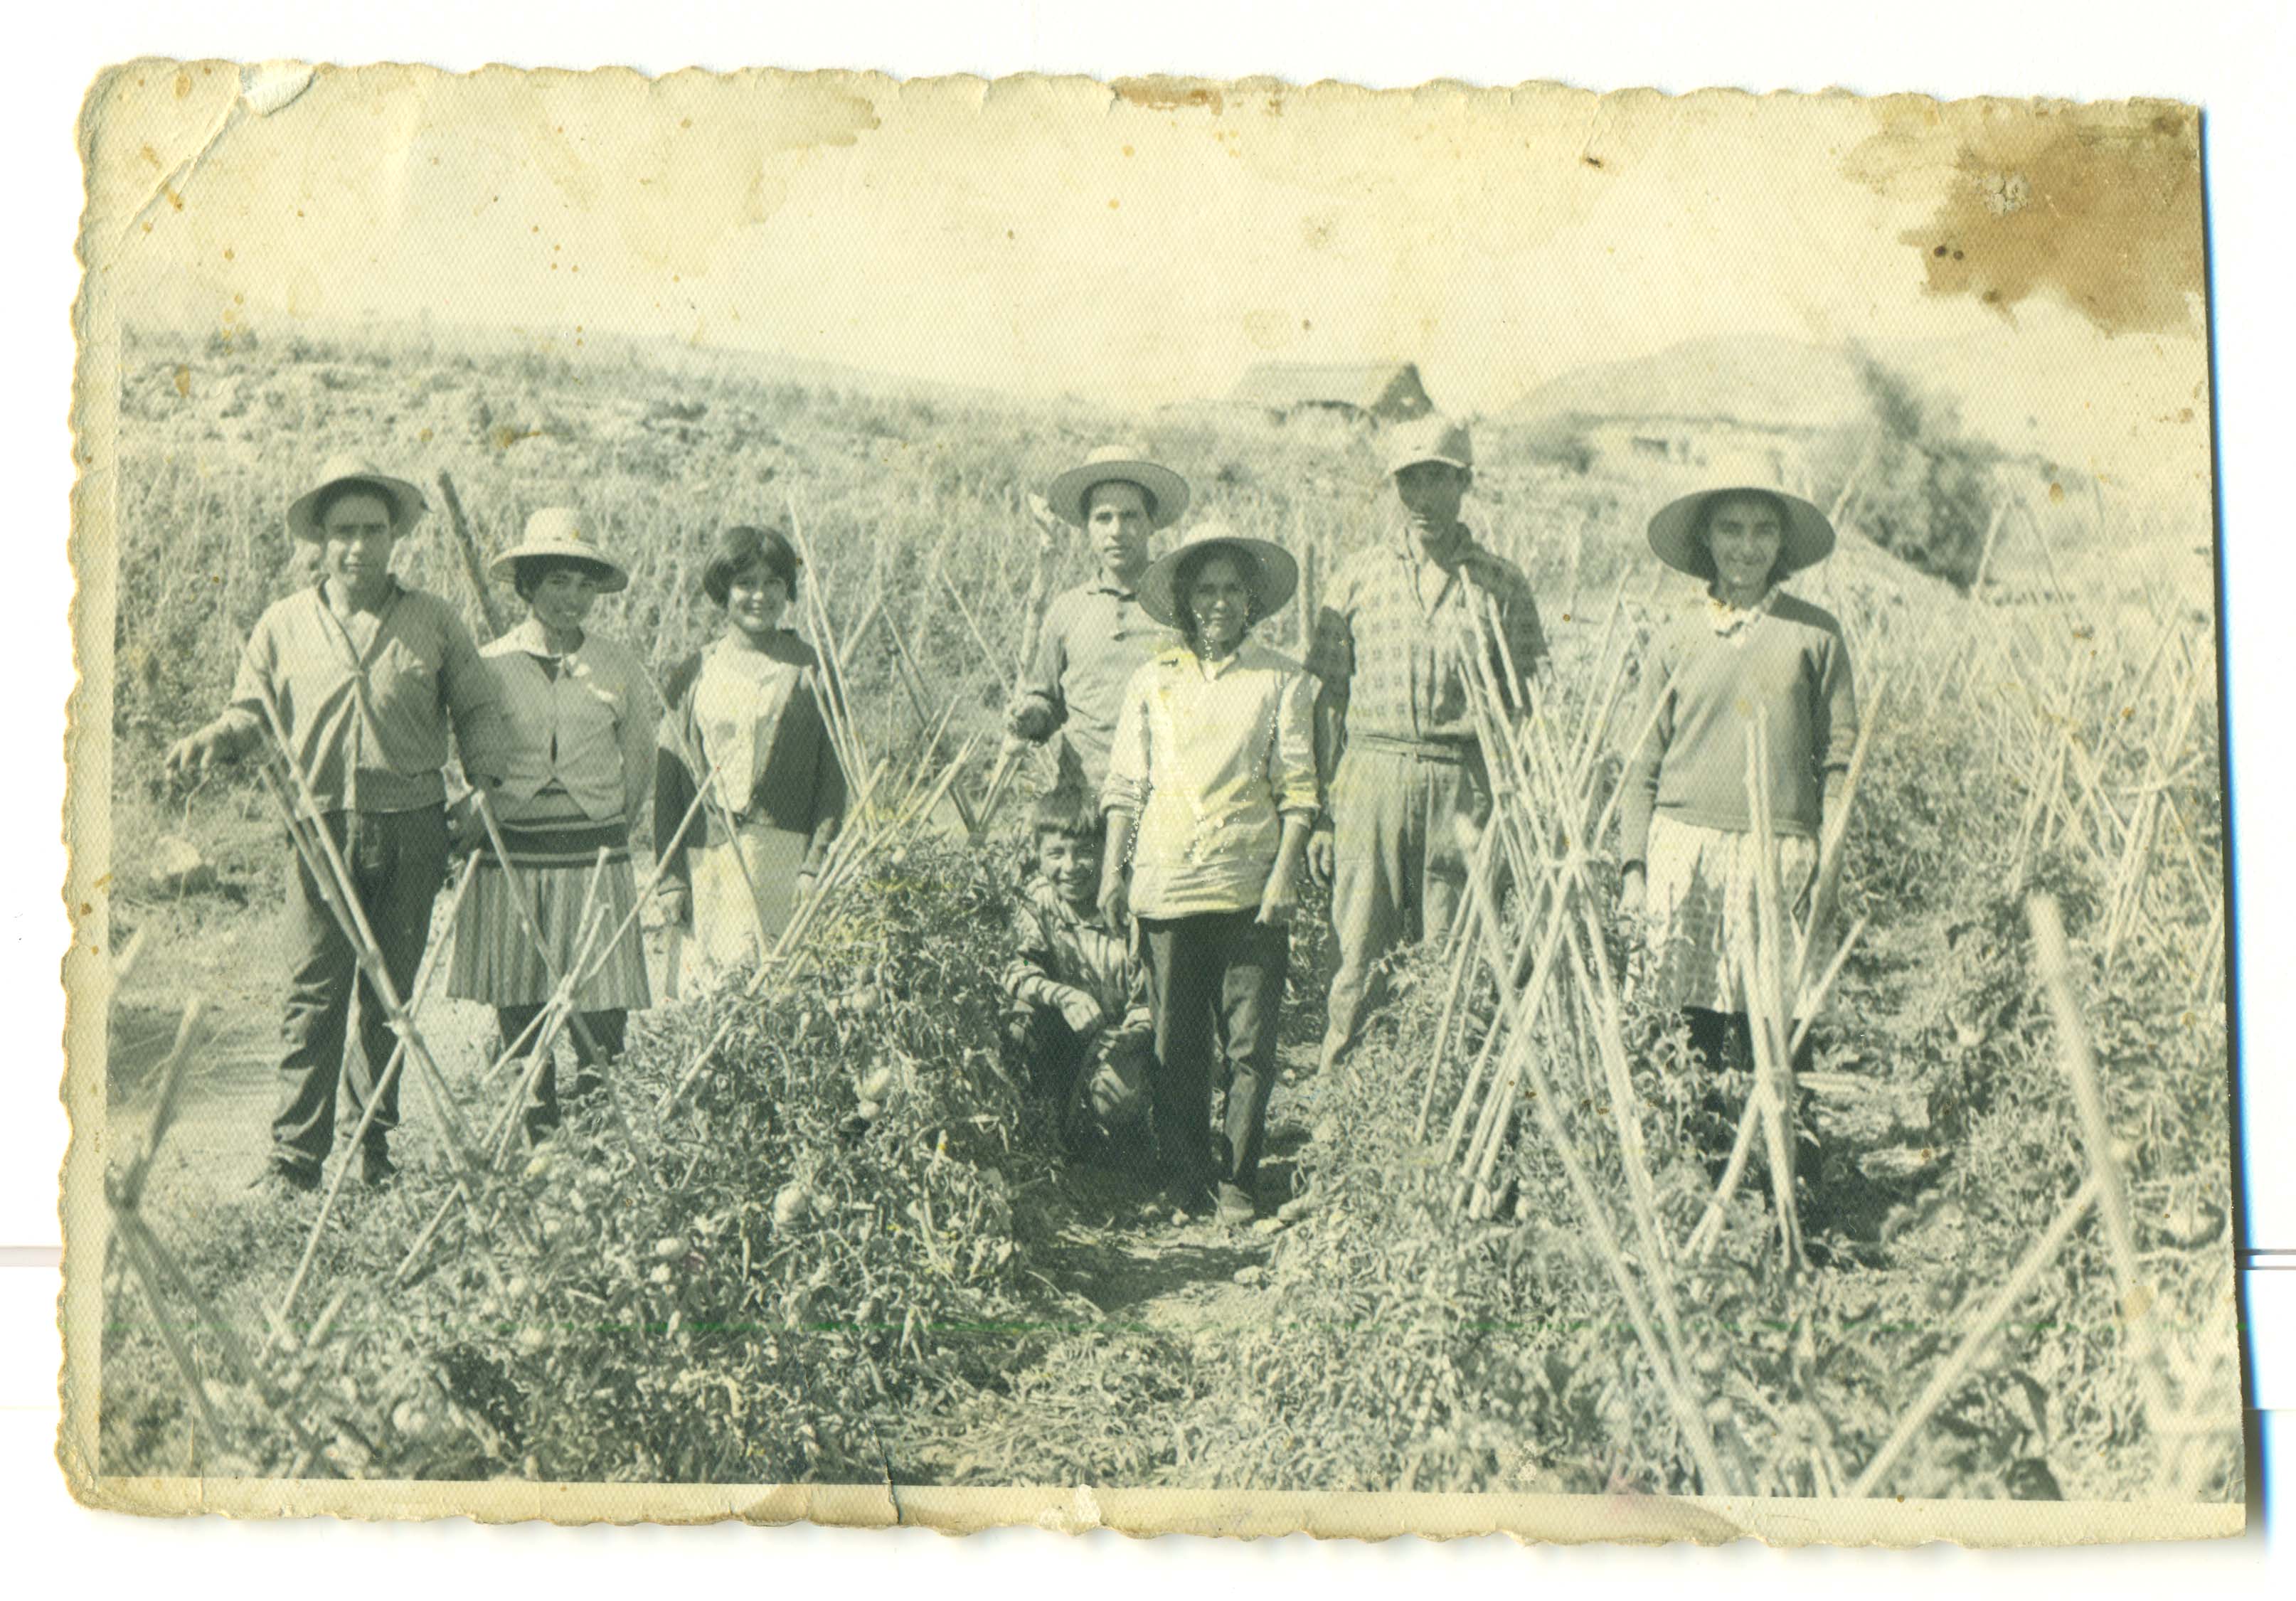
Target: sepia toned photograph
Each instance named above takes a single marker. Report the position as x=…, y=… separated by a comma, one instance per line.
x=1181, y=806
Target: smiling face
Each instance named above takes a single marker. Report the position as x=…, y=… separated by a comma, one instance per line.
x=356, y=538
x=561, y=598
x=1744, y=534
x=755, y=600
x=1116, y=518
x=1218, y=603
x=1071, y=866
x=1431, y=493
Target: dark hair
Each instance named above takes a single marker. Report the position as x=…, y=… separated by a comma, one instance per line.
x=527, y=572
x=1702, y=544
x=1190, y=567
x=743, y=547
x=1064, y=810
x=1146, y=494
x=342, y=490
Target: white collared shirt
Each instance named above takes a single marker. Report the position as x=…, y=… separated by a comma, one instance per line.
x=1211, y=757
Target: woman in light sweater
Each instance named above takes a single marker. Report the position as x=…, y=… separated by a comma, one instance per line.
x=748, y=707
x=579, y=712
x=1747, y=652
x=1211, y=795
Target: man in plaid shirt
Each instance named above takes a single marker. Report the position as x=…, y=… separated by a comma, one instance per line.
x=1395, y=733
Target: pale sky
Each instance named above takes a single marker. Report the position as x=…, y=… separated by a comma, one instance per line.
x=1045, y=236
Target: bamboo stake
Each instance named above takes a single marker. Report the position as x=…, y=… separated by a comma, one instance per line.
x=1834, y=839
x=1689, y=1416
x=2079, y=1061
x=1460, y=951
x=996, y=665
x=474, y=567
x=1764, y=982
x=389, y=1075
x=172, y=1069
x=1956, y=1366
x=146, y=1279
x=250, y=1372
x=315, y=844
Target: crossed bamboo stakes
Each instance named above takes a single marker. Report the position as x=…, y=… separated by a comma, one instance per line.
x=1545, y=818
x=1549, y=810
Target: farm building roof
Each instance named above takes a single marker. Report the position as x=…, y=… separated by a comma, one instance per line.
x=1390, y=389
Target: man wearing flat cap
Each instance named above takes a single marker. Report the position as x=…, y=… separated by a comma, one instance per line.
x=1396, y=739
x=1095, y=635
x=365, y=676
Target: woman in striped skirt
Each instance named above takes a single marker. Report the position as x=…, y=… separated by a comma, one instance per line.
x=580, y=712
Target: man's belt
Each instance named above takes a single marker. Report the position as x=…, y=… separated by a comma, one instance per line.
x=1455, y=752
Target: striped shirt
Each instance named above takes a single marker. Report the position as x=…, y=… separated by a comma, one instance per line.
x=1061, y=949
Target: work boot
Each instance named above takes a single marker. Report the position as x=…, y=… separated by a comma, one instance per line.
x=1236, y=1207
x=376, y=1170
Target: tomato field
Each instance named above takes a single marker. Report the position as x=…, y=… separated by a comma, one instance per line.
x=821, y=1234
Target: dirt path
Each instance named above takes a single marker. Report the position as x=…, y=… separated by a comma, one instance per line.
x=221, y=1136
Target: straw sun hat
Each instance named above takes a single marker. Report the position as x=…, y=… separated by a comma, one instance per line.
x=1167, y=490
x=407, y=505
x=1267, y=567
x=555, y=532
x=1678, y=532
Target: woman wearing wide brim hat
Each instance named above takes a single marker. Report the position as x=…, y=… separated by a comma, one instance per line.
x=1211, y=795
x=1679, y=533
x=1746, y=655
x=579, y=712
x=1269, y=569
x=351, y=474
x=1167, y=491
x=554, y=535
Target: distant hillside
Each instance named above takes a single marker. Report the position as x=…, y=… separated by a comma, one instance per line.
x=1752, y=378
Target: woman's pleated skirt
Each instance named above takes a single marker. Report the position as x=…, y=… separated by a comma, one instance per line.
x=578, y=908
x=1699, y=910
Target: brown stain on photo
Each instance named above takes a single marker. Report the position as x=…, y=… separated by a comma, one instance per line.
x=2103, y=210
x=1160, y=92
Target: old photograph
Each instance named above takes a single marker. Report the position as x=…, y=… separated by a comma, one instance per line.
x=1223, y=806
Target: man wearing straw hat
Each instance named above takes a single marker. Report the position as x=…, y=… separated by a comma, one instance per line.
x=364, y=676
x=1395, y=726
x=1095, y=635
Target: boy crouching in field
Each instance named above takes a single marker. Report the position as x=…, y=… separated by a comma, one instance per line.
x=1078, y=1002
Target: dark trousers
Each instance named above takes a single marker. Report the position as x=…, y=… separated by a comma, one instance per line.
x=1216, y=986
x=1715, y=1036
x=608, y=1031
x=1050, y=1052
x=397, y=861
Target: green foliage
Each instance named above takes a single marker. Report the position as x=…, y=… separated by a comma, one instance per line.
x=749, y=1287
x=1926, y=495
x=683, y=1317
